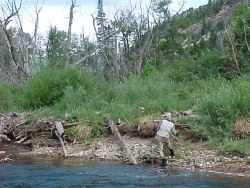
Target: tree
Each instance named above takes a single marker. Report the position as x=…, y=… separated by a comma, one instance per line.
x=101, y=22
x=10, y=10
x=161, y=8
x=213, y=40
x=240, y=27
x=106, y=44
x=55, y=47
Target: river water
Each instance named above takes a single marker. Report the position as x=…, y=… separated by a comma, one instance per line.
x=78, y=173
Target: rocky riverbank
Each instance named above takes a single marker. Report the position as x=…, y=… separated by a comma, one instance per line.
x=36, y=138
x=188, y=156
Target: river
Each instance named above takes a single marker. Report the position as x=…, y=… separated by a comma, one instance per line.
x=78, y=173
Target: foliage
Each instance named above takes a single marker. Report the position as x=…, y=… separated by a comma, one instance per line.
x=56, y=47
x=240, y=27
x=148, y=69
x=6, y=97
x=171, y=43
x=71, y=131
x=161, y=8
x=220, y=106
x=47, y=87
x=96, y=131
x=208, y=65
x=239, y=147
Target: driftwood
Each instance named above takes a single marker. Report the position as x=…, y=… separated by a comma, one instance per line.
x=6, y=159
x=4, y=137
x=59, y=131
x=120, y=140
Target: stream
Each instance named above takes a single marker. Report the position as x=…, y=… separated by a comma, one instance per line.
x=47, y=172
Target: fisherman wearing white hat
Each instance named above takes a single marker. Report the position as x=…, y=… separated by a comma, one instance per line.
x=165, y=128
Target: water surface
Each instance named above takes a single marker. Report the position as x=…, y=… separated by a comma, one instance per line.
x=77, y=173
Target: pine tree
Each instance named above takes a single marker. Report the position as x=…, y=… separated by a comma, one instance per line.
x=101, y=21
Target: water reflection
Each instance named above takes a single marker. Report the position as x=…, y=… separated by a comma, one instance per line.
x=58, y=172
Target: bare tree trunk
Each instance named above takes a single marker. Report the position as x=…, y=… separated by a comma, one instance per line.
x=37, y=49
x=120, y=140
x=234, y=51
x=245, y=34
x=144, y=50
x=71, y=15
x=38, y=11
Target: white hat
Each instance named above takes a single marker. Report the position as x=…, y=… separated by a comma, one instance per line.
x=167, y=115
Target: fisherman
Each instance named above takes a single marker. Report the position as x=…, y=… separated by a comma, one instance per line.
x=164, y=130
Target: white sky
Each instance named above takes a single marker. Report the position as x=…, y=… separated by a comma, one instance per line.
x=55, y=13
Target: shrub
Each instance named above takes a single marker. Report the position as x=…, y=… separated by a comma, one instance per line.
x=72, y=99
x=6, y=97
x=208, y=65
x=148, y=69
x=220, y=107
x=236, y=146
x=49, y=85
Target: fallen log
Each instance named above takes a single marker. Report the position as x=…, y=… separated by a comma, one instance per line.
x=121, y=142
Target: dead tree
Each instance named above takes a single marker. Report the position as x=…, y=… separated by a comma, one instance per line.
x=35, y=37
x=9, y=11
x=71, y=15
x=59, y=131
x=120, y=140
x=234, y=51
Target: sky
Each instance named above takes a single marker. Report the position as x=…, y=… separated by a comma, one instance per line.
x=56, y=13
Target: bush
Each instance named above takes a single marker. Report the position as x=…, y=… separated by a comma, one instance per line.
x=148, y=69
x=208, y=65
x=220, y=107
x=6, y=97
x=50, y=85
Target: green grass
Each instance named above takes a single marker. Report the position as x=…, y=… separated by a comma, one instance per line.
x=237, y=147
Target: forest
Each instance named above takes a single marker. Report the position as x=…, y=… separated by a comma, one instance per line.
x=141, y=65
